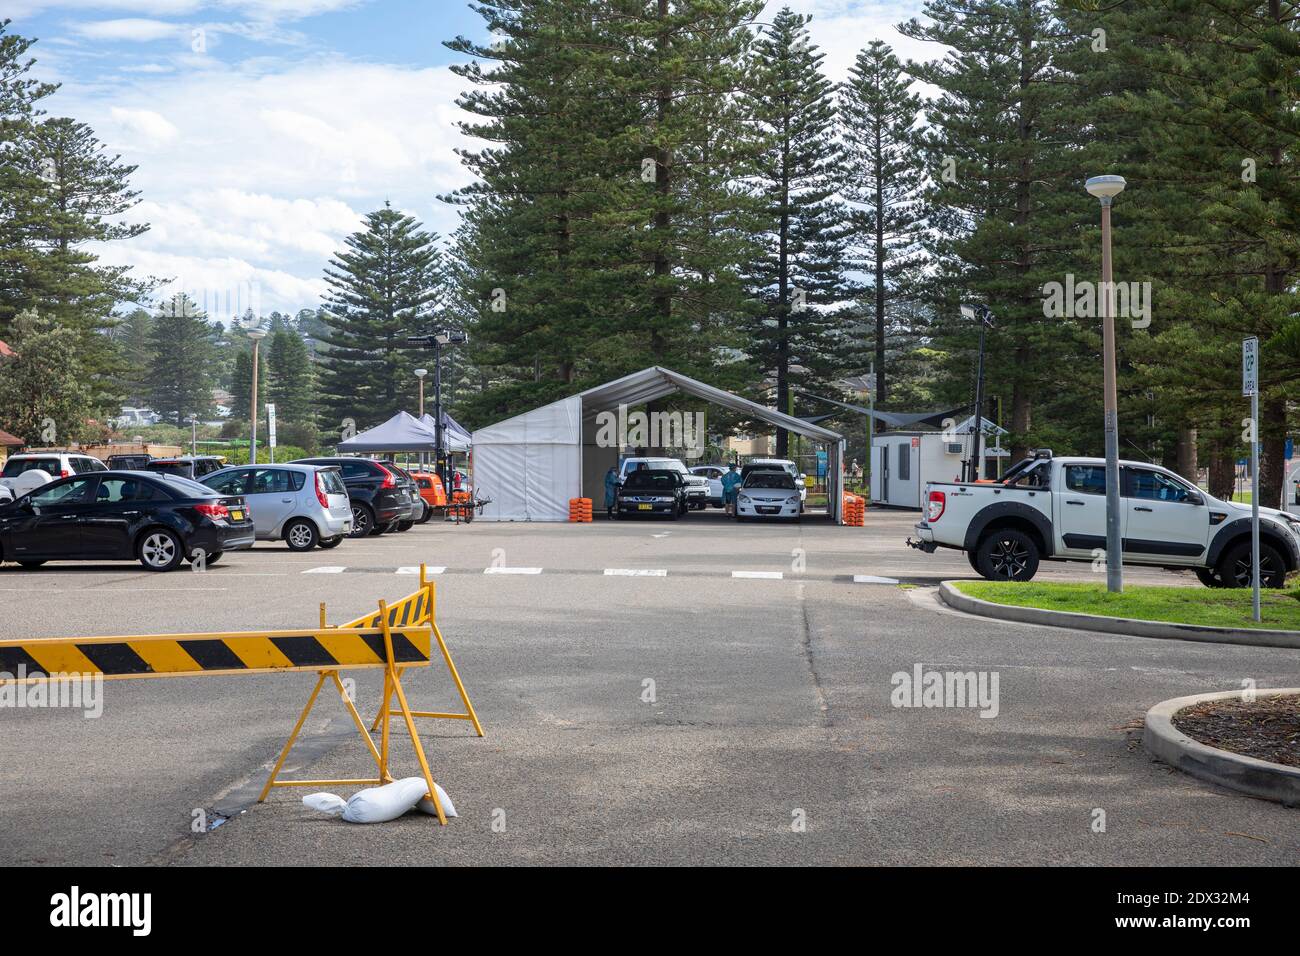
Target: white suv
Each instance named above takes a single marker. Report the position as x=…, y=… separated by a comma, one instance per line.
x=55, y=464
x=17, y=478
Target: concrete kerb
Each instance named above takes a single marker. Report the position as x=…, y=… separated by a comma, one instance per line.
x=1258, y=778
x=1165, y=630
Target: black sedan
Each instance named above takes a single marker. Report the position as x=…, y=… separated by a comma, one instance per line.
x=159, y=520
x=651, y=491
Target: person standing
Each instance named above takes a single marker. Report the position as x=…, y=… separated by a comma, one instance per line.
x=731, y=488
x=611, y=490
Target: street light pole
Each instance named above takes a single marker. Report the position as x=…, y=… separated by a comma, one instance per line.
x=256, y=335
x=436, y=341
x=440, y=459
x=1105, y=189
x=419, y=377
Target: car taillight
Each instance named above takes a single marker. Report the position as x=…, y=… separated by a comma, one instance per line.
x=390, y=480
x=935, y=509
x=213, y=511
x=320, y=491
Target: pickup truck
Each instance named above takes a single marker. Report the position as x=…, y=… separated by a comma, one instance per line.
x=1049, y=508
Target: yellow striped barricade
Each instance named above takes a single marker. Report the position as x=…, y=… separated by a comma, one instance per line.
x=325, y=650
x=418, y=609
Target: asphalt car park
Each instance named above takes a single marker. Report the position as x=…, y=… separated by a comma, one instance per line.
x=651, y=692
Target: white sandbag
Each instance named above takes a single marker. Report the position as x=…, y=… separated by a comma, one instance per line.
x=380, y=804
x=426, y=806
x=330, y=803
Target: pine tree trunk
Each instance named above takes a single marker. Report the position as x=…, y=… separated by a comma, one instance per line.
x=1272, y=465
x=1185, y=463
x=1223, y=470
x=1020, y=416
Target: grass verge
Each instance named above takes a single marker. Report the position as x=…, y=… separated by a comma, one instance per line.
x=1215, y=607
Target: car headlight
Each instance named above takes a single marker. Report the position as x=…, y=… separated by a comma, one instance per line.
x=744, y=499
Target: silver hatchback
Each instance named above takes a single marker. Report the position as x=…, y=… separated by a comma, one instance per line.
x=302, y=505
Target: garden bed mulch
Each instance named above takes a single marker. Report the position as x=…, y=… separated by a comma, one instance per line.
x=1267, y=729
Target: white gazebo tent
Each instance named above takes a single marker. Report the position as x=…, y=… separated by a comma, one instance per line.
x=532, y=464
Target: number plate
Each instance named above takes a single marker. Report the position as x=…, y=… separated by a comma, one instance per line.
x=645, y=507
x=237, y=516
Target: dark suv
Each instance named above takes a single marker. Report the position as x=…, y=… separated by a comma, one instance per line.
x=380, y=499
x=417, y=503
x=193, y=467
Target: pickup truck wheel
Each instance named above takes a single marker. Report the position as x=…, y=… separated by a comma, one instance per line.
x=1007, y=555
x=974, y=560
x=1209, y=577
x=1234, y=566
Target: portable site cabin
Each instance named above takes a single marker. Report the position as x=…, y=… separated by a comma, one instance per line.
x=903, y=461
x=532, y=464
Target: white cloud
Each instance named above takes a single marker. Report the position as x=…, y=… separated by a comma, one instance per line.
x=153, y=127
x=844, y=27
x=135, y=29
x=261, y=9
x=257, y=178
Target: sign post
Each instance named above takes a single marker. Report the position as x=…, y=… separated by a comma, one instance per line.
x=270, y=427
x=1250, y=386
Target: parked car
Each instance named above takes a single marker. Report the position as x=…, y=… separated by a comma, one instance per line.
x=378, y=500
x=194, y=467
x=713, y=475
x=301, y=505
x=128, y=462
x=784, y=464
x=1049, y=508
x=652, y=491
x=159, y=520
x=768, y=493
x=413, y=488
x=55, y=464
x=697, y=486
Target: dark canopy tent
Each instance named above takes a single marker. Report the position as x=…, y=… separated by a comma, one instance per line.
x=402, y=432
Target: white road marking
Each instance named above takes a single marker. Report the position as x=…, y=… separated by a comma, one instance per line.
x=661, y=535
x=766, y=575
x=415, y=569
x=512, y=570
x=636, y=572
x=327, y=569
x=872, y=579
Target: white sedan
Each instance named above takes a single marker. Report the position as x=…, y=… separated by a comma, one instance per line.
x=768, y=494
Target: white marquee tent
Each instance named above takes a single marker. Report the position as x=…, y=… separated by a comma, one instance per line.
x=532, y=464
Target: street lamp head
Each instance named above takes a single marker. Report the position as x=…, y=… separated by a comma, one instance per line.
x=421, y=372
x=1105, y=188
x=256, y=334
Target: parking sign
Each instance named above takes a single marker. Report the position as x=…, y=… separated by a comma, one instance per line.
x=1250, y=366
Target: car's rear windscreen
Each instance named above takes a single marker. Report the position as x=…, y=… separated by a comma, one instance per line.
x=16, y=466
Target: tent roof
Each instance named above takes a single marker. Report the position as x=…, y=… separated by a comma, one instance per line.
x=455, y=434
x=402, y=432
x=897, y=419
x=656, y=382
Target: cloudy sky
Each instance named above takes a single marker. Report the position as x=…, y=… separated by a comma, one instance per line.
x=265, y=129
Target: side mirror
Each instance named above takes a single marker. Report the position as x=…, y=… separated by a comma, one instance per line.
x=1195, y=498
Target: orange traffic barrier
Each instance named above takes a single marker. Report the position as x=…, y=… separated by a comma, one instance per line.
x=580, y=509
x=855, y=510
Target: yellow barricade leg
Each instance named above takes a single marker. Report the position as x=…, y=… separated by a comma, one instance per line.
x=396, y=681
x=431, y=618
